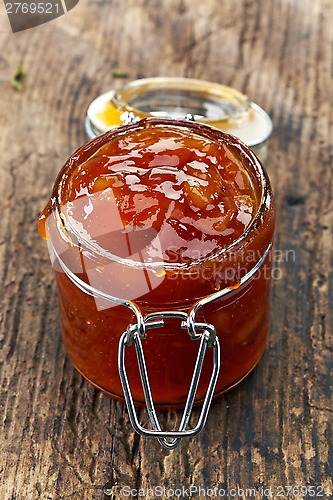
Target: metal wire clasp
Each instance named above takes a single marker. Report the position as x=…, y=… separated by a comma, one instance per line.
x=207, y=337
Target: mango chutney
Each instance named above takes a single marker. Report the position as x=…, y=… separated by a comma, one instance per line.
x=161, y=212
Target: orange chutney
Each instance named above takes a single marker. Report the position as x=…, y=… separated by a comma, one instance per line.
x=161, y=212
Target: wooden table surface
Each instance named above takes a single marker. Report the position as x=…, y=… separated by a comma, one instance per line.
x=62, y=439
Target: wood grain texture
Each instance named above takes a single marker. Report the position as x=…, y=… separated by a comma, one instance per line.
x=60, y=438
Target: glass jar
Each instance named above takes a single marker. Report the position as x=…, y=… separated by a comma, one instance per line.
x=120, y=286
x=218, y=105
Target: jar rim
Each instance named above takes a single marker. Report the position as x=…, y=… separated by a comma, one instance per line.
x=200, y=129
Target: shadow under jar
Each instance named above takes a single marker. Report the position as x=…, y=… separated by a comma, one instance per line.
x=162, y=214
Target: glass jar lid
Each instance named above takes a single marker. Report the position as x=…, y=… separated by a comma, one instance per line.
x=220, y=106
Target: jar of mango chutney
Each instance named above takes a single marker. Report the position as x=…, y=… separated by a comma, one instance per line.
x=160, y=234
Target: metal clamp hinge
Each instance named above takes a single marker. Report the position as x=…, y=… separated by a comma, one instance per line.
x=207, y=337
